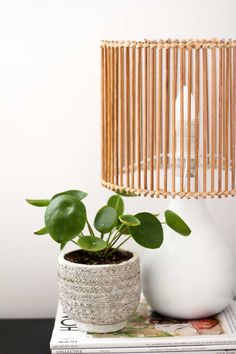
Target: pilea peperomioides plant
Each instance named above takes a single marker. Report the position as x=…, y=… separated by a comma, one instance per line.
x=66, y=220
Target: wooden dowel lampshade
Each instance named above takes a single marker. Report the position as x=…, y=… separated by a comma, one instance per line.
x=168, y=117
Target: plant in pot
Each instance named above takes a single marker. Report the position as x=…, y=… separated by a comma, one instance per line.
x=99, y=283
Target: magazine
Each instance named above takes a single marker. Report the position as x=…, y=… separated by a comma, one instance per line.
x=147, y=331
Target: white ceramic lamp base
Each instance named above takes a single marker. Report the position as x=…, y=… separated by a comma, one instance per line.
x=190, y=277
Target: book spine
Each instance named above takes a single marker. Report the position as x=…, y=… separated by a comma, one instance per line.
x=214, y=345
x=148, y=350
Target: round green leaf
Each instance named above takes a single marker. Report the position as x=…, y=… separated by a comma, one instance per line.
x=105, y=219
x=65, y=218
x=129, y=220
x=116, y=202
x=73, y=193
x=91, y=243
x=175, y=222
x=149, y=233
x=38, y=202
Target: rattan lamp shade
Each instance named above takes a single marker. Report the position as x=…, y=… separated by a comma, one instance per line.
x=168, y=117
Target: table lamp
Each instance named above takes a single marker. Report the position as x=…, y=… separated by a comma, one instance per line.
x=168, y=112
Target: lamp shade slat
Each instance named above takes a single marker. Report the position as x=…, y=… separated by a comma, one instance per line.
x=173, y=108
x=226, y=127
x=221, y=73
x=145, y=125
x=116, y=115
x=213, y=117
x=197, y=86
x=181, y=114
x=233, y=118
x=121, y=113
x=189, y=119
x=133, y=112
x=139, y=118
x=205, y=116
x=153, y=114
x=159, y=120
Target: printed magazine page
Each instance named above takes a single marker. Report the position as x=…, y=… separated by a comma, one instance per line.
x=149, y=329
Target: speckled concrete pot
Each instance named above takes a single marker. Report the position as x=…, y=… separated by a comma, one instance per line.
x=99, y=298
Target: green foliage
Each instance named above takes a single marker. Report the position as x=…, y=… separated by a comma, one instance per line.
x=116, y=202
x=122, y=228
x=91, y=243
x=66, y=219
x=129, y=220
x=45, y=202
x=175, y=222
x=73, y=193
x=42, y=231
x=105, y=219
x=63, y=245
x=149, y=233
x=38, y=202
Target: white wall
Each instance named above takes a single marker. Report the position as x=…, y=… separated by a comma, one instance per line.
x=50, y=115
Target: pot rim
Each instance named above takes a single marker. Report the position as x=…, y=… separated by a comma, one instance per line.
x=61, y=259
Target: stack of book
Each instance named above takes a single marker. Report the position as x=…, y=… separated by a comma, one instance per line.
x=149, y=332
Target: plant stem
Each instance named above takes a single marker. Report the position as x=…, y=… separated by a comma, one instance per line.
x=118, y=236
x=116, y=233
x=115, y=249
x=115, y=240
x=74, y=242
x=109, y=237
x=90, y=229
x=123, y=242
x=109, y=245
x=102, y=235
x=110, y=233
x=107, y=250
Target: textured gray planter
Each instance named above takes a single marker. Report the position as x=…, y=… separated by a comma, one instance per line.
x=100, y=298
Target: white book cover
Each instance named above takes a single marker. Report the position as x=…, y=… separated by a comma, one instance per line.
x=150, y=332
